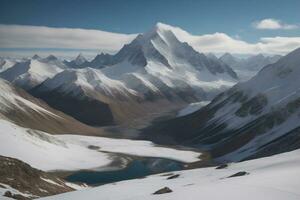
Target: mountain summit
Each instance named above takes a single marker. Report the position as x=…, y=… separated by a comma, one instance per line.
x=160, y=46
x=78, y=62
x=154, y=70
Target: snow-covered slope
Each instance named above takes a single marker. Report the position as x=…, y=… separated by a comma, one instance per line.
x=155, y=69
x=254, y=118
x=19, y=107
x=6, y=64
x=44, y=151
x=270, y=178
x=30, y=73
x=9, y=99
x=71, y=152
x=247, y=68
x=87, y=79
x=87, y=95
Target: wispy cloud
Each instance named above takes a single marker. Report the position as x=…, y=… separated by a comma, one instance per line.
x=17, y=36
x=273, y=24
x=93, y=41
x=221, y=43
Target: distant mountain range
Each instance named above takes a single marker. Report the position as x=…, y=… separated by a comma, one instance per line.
x=259, y=117
x=153, y=74
x=246, y=68
x=159, y=88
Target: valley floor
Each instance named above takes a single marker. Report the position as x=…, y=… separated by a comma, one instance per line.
x=70, y=153
x=73, y=152
x=269, y=178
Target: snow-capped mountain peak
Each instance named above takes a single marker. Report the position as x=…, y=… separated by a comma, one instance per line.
x=30, y=73
x=50, y=58
x=163, y=30
x=228, y=59
x=160, y=27
x=80, y=59
x=36, y=57
x=212, y=56
x=161, y=46
x=178, y=32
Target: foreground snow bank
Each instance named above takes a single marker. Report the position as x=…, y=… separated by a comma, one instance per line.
x=270, y=178
x=71, y=152
x=44, y=151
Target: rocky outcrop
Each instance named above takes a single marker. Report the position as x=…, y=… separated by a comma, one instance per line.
x=29, y=182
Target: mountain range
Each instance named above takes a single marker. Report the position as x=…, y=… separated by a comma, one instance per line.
x=246, y=68
x=155, y=73
x=259, y=117
x=159, y=88
x=19, y=107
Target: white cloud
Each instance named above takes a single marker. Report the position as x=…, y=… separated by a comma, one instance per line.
x=273, y=24
x=221, y=43
x=17, y=36
x=94, y=41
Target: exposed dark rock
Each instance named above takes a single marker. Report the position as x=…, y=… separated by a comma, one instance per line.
x=252, y=107
x=29, y=180
x=293, y=105
x=163, y=191
x=93, y=147
x=223, y=166
x=8, y=194
x=101, y=61
x=167, y=174
x=173, y=176
x=242, y=173
x=15, y=196
x=86, y=110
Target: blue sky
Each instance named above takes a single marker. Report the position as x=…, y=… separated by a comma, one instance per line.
x=236, y=18
x=233, y=17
